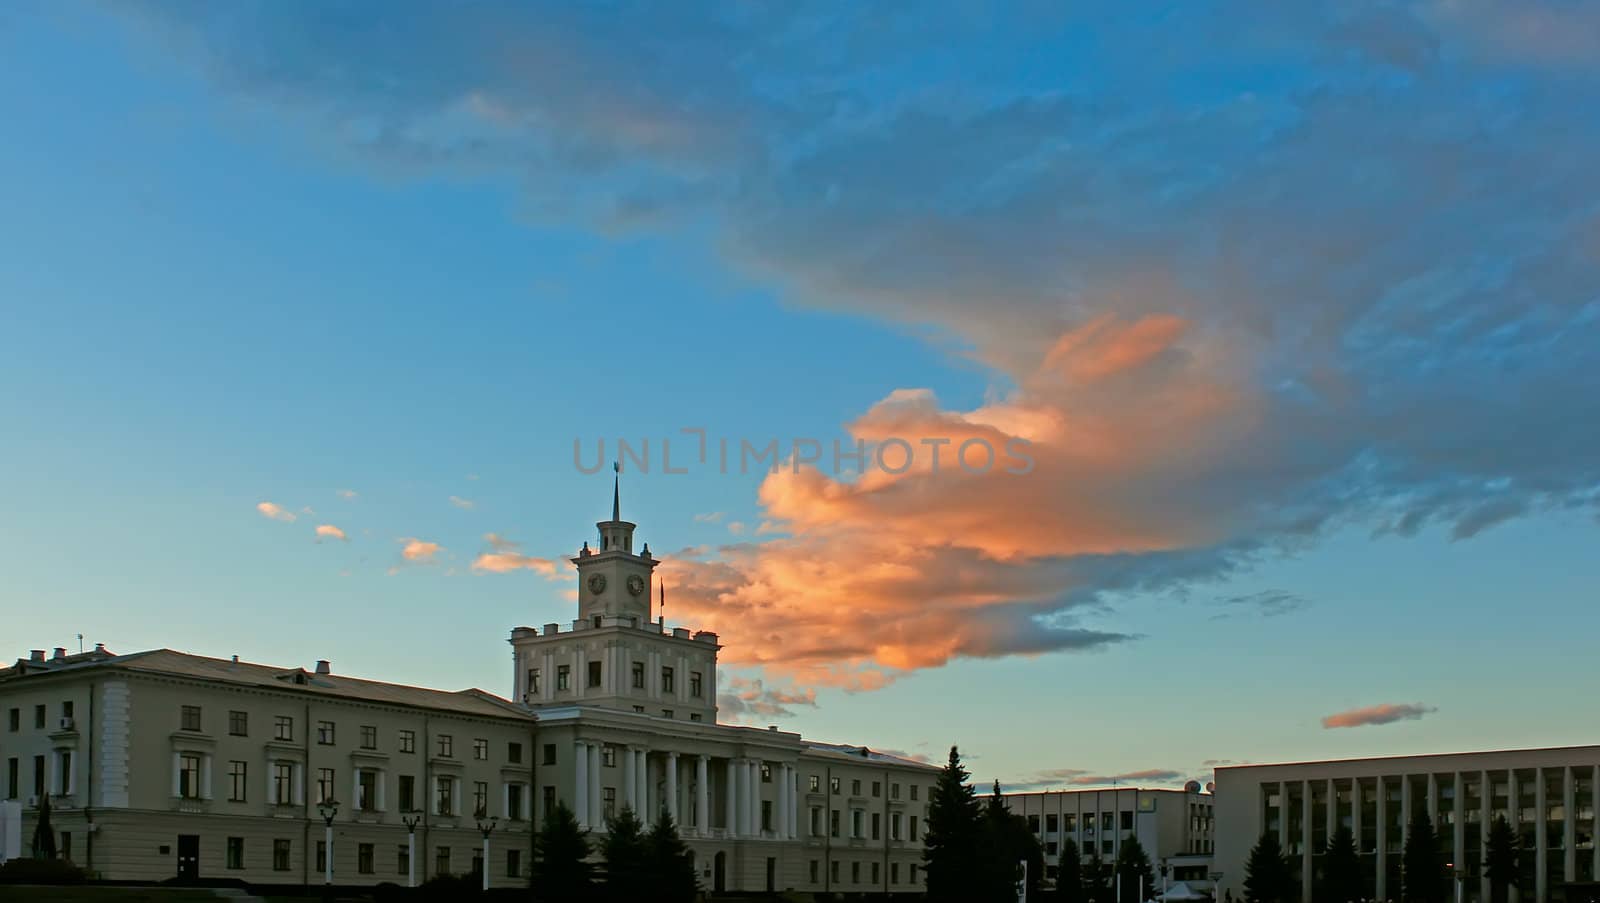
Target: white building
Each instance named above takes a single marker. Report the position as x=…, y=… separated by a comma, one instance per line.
x=162, y=764
x=1173, y=826
x=1547, y=795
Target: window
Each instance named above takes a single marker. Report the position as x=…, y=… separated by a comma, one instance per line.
x=447, y=746
x=444, y=796
x=911, y=822
x=877, y=789
x=1052, y=823
x=855, y=873
x=833, y=823
x=369, y=736
x=895, y=826
x=12, y=767
x=188, y=776
x=549, y=794
x=816, y=869
x=594, y=674
x=833, y=871
x=1127, y=821
x=1050, y=848
x=282, y=783
x=514, y=802
x=877, y=825
x=514, y=753
x=403, y=861
x=856, y=823
x=815, y=784
x=855, y=787
x=833, y=786
x=235, y=853
x=239, y=724
x=816, y=821
x=408, y=793
x=513, y=863
x=366, y=789
x=188, y=718
x=608, y=756
x=638, y=675
x=563, y=677
x=282, y=728
x=38, y=776
x=913, y=873
x=608, y=802
x=766, y=773
x=441, y=861
x=325, y=790
x=766, y=815
x=1033, y=824
x=364, y=858
x=894, y=873
x=480, y=749
x=322, y=855
x=666, y=680
x=408, y=741
x=237, y=781
x=1106, y=821
x=894, y=791
x=666, y=713
x=14, y=720
x=697, y=684
x=533, y=682
x=549, y=754
x=480, y=798
x=280, y=854
x=64, y=772
x=324, y=733
x=1069, y=822
x=913, y=797
x=38, y=716
x=874, y=873
x=639, y=709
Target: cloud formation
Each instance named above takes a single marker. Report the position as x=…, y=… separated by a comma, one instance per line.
x=1346, y=279
x=1076, y=777
x=348, y=494
x=274, y=511
x=1383, y=713
x=504, y=556
x=749, y=700
x=418, y=551
x=463, y=504
x=1268, y=603
x=329, y=531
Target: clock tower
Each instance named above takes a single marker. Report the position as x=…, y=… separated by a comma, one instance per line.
x=613, y=581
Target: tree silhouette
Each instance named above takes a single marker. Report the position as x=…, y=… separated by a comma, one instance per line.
x=1341, y=870
x=1500, y=859
x=561, y=873
x=1133, y=867
x=950, y=843
x=1266, y=873
x=1007, y=842
x=1069, y=874
x=627, y=866
x=1096, y=877
x=1423, y=870
x=670, y=864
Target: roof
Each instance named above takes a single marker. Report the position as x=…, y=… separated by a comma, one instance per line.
x=172, y=663
x=862, y=753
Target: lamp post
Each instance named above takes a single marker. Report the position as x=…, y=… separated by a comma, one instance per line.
x=1458, y=875
x=486, y=825
x=1165, y=864
x=328, y=809
x=411, y=822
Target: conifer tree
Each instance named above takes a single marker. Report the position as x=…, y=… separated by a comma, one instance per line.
x=1069, y=874
x=950, y=843
x=1266, y=873
x=1423, y=870
x=1133, y=867
x=561, y=873
x=1096, y=877
x=1500, y=860
x=670, y=864
x=627, y=867
x=1341, y=870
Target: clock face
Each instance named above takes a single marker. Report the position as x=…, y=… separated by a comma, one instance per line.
x=597, y=584
x=635, y=584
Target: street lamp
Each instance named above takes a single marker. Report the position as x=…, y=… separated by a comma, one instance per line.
x=1459, y=875
x=411, y=822
x=1165, y=864
x=328, y=808
x=486, y=825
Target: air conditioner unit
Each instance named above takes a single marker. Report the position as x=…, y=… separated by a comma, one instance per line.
x=67, y=723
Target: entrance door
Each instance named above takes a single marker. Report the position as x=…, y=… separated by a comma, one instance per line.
x=188, y=857
x=719, y=873
x=772, y=875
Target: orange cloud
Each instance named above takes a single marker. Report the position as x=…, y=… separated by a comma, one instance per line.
x=505, y=558
x=419, y=551
x=275, y=511
x=329, y=531
x=1384, y=713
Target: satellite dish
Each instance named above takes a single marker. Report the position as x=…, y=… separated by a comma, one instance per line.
x=1192, y=787
x=1211, y=786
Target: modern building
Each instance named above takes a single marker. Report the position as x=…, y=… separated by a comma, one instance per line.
x=1547, y=796
x=1173, y=826
x=161, y=764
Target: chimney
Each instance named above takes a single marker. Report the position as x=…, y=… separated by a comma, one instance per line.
x=772, y=727
x=36, y=655
x=323, y=667
x=61, y=652
x=99, y=647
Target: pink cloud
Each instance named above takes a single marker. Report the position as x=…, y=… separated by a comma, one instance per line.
x=274, y=511
x=506, y=558
x=329, y=531
x=1384, y=713
x=418, y=550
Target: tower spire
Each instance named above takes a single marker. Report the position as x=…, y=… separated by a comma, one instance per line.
x=616, y=491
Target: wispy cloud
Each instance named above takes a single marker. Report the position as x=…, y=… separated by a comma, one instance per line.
x=505, y=557
x=275, y=511
x=418, y=551
x=464, y=504
x=348, y=494
x=1076, y=777
x=1265, y=604
x=1383, y=713
x=329, y=531
x=709, y=517
x=748, y=700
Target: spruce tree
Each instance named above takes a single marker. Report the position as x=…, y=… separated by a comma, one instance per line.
x=1133, y=867
x=1069, y=874
x=627, y=868
x=1500, y=859
x=950, y=841
x=670, y=864
x=561, y=873
x=1341, y=870
x=1096, y=877
x=1422, y=869
x=1007, y=842
x=1266, y=873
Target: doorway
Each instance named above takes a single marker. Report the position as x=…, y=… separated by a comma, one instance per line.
x=188, y=857
x=772, y=875
x=719, y=872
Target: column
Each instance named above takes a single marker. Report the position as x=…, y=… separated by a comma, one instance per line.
x=1569, y=837
x=383, y=790
x=1307, y=819
x=1514, y=810
x=596, y=814
x=794, y=804
x=580, y=676
x=1541, y=845
x=177, y=774
x=630, y=782
x=1433, y=800
x=271, y=785
x=580, y=783
x=1283, y=817
x=1355, y=819
x=730, y=803
x=1331, y=818
x=299, y=783
x=1382, y=884
x=786, y=801
x=1405, y=809
x=755, y=797
x=672, y=785
x=356, y=802
x=702, y=795
x=1594, y=802
x=652, y=802
x=1486, y=804
x=205, y=776
x=1459, y=813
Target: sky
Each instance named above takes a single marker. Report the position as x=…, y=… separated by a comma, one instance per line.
x=318, y=328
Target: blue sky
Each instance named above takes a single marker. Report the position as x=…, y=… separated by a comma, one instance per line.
x=1298, y=310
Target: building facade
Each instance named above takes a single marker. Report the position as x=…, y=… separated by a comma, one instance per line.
x=162, y=764
x=1175, y=827
x=1546, y=795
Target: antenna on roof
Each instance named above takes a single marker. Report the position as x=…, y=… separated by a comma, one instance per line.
x=616, y=490
x=80, y=644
